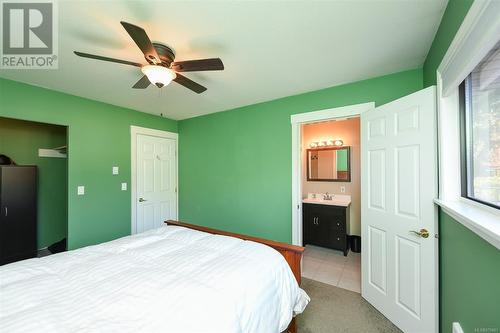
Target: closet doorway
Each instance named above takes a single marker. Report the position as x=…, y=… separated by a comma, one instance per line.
x=43, y=148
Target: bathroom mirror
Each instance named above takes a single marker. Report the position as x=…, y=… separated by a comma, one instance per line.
x=329, y=164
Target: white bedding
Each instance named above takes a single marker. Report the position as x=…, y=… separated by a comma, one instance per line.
x=169, y=279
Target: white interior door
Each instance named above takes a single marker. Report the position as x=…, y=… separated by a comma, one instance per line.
x=398, y=185
x=156, y=189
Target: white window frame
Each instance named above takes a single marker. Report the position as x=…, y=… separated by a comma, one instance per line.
x=477, y=35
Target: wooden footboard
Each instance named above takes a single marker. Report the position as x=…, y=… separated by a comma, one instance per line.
x=292, y=253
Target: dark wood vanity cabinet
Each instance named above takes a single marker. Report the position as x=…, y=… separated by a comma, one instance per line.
x=326, y=226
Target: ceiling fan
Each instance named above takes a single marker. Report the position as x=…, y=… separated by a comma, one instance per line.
x=161, y=68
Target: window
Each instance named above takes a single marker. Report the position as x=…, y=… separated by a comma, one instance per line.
x=480, y=131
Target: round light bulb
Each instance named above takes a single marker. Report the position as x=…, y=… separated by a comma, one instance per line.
x=160, y=76
x=338, y=142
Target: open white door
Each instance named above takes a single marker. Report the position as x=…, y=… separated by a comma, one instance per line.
x=156, y=182
x=398, y=186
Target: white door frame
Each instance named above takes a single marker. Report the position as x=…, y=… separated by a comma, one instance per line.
x=297, y=121
x=134, y=131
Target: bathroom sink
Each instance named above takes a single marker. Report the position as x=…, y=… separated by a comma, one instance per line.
x=336, y=199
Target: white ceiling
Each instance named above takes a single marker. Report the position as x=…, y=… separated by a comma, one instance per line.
x=269, y=49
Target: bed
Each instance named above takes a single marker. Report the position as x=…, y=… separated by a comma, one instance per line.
x=177, y=278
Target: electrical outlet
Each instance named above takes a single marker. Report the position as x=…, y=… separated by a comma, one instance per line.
x=115, y=170
x=124, y=186
x=456, y=328
x=81, y=190
x=342, y=189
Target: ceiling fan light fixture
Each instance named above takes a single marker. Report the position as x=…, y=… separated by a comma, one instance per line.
x=160, y=76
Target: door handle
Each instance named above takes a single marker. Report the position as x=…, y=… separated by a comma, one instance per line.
x=142, y=200
x=6, y=211
x=422, y=233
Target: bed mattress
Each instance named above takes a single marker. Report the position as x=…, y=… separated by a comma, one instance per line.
x=170, y=279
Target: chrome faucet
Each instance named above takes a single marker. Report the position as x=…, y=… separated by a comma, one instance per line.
x=327, y=196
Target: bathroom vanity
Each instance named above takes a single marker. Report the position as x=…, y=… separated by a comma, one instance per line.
x=326, y=222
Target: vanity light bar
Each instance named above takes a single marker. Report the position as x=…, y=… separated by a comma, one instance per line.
x=336, y=142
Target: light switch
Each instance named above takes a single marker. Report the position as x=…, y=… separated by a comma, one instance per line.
x=342, y=189
x=115, y=170
x=124, y=186
x=81, y=190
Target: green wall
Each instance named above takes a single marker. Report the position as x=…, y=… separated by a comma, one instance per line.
x=235, y=166
x=470, y=278
x=469, y=266
x=20, y=141
x=98, y=139
x=341, y=160
x=451, y=21
x=235, y=173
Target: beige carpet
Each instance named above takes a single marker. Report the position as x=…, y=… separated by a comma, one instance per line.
x=334, y=309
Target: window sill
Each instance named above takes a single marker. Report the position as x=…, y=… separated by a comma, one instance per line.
x=481, y=220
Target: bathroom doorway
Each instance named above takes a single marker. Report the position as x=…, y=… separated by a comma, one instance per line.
x=331, y=205
x=326, y=189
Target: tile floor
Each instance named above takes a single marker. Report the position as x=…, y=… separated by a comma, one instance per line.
x=331, y=267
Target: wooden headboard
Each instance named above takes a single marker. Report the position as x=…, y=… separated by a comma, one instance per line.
x=292, y=253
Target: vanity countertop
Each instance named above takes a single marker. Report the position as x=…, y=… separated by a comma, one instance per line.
x=337, y=200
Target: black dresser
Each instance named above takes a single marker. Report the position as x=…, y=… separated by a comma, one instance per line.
x=18, y=213
x=326, y=226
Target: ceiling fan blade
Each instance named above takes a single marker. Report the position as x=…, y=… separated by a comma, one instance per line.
x=190, y=84
x=143, y=83
x=142, y=40
x=212, y=64
x=93, y=56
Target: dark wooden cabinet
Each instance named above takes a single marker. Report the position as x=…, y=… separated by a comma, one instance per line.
x=18, y=213
x=326, y=226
